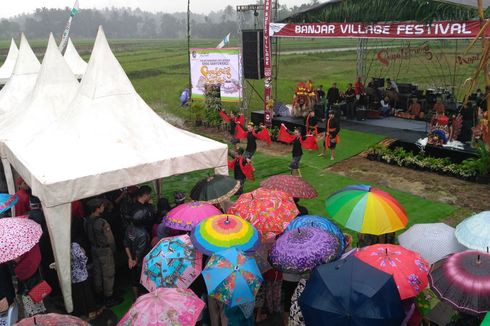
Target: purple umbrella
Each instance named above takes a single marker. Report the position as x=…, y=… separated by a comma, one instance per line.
x=301, y=250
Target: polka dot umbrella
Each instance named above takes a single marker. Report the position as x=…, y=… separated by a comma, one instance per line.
x=17, y=236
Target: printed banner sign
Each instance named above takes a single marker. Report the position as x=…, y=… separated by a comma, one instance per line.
x=267, y=63
x=405, y=30
x=216, y=67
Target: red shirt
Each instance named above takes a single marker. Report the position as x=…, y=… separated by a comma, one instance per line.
x=77, y=209
x=22, y=207
x=358, y=88
x=28, y=264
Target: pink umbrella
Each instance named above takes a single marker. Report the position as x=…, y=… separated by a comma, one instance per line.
x=164, y=307
x=186, y=216
x=52, y=320
x=18, y=235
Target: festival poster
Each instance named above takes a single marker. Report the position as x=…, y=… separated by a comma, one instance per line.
x=216, y=67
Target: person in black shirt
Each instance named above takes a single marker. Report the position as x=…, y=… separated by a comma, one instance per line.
x=239, y=165
x=297, y=151
x=143, y=201
x=311, y=123
x=333, y=95
x=251, y=142
x=350, y=99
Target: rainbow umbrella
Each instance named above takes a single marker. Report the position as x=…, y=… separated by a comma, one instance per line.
x=7, y=201
x=232, y=277
x=224, y=231
x=186, y=216
x=365, y=209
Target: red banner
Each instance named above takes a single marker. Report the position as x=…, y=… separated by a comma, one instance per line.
x=267, y=63
x=405, y=30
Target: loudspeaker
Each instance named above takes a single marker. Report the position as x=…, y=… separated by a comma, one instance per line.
x=253, y=53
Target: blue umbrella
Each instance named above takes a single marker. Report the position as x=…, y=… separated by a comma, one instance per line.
x=474, y=232
x=349, y=292
x=7, y=202
x=232, y=277
x=318, y=222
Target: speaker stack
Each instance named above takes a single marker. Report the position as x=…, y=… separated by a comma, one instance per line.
x=253, y=53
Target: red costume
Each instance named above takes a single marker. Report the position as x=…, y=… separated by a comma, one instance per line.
x=238, y=120
x=28, y=264
x=332, y=132
x=247, y=169
x=261, y=135
x=77, y=210
x=309, y=142
x=314, y=128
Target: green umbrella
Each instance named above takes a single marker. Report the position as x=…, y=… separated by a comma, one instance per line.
x=215, y=189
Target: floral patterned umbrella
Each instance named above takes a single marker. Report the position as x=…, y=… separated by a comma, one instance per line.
x=224, y=231
x=232, y=277
x=301, y=250
x=270, y=211
x=318, y=222
x=52, y=320
x=7, y=201
x=18, y=235
x=173, y=262
x=295, y=186
x=185, y=217
x=408, y=268
x=164, y=307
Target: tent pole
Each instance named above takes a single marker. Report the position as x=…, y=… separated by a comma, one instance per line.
x=481, y=13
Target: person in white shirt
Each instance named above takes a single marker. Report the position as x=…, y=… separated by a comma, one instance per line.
x=385, y=106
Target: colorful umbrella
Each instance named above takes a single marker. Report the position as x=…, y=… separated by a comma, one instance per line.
x=350, y=292
x=18, y=235
x=432, y=240
x=474, y=232
x=232, y=277
x=366, y=210
x=486, y=320
x=7, y=202
x=224, y=231
x=52, y=320
x=164, y=307
x=408, y=268
x=463, y=280
x=173, y=262
x=185, y=217
x=270, y=211
x=215, y=189
x=296, y=186
x=301, y=250
x=318, y=222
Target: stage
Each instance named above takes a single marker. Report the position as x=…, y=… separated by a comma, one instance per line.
x=405, y=131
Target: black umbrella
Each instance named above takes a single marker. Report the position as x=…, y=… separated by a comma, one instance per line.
x=350, y=292
x=215, y=189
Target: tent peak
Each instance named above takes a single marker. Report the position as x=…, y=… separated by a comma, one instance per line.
x=104, y=75
x=27, y=62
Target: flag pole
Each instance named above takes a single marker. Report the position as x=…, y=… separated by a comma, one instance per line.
x=189, y=45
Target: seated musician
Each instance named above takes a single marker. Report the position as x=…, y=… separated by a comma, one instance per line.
x=391, y=85
x=414, y=111
x=385, y=106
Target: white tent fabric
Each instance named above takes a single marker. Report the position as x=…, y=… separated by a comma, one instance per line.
x=108, y=138
x=7, y=68
x=22, y=81
x=77, y=65
x=54, y=89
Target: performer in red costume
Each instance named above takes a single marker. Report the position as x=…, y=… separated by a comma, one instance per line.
x=331, y=135
x=251, y=135
x=233, y=120
x=242, y=169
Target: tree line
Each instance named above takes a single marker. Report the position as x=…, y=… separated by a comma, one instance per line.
x=135, y=23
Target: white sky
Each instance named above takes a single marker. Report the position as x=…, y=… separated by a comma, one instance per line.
x=10, y=8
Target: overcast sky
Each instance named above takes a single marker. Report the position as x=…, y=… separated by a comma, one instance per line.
x=13, y=7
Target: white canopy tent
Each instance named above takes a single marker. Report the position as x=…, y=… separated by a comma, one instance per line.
x=75, y=62
x=108, y=138
x=7, y=68
x=22, y=81
x=54, y=89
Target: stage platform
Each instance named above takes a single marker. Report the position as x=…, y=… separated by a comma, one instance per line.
x=406, y=131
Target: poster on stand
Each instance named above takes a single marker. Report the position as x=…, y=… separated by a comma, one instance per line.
x=216, y=67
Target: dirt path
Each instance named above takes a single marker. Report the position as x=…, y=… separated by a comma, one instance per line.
x=471, y=197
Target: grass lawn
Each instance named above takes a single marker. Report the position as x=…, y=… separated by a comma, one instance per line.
x=313, y=169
